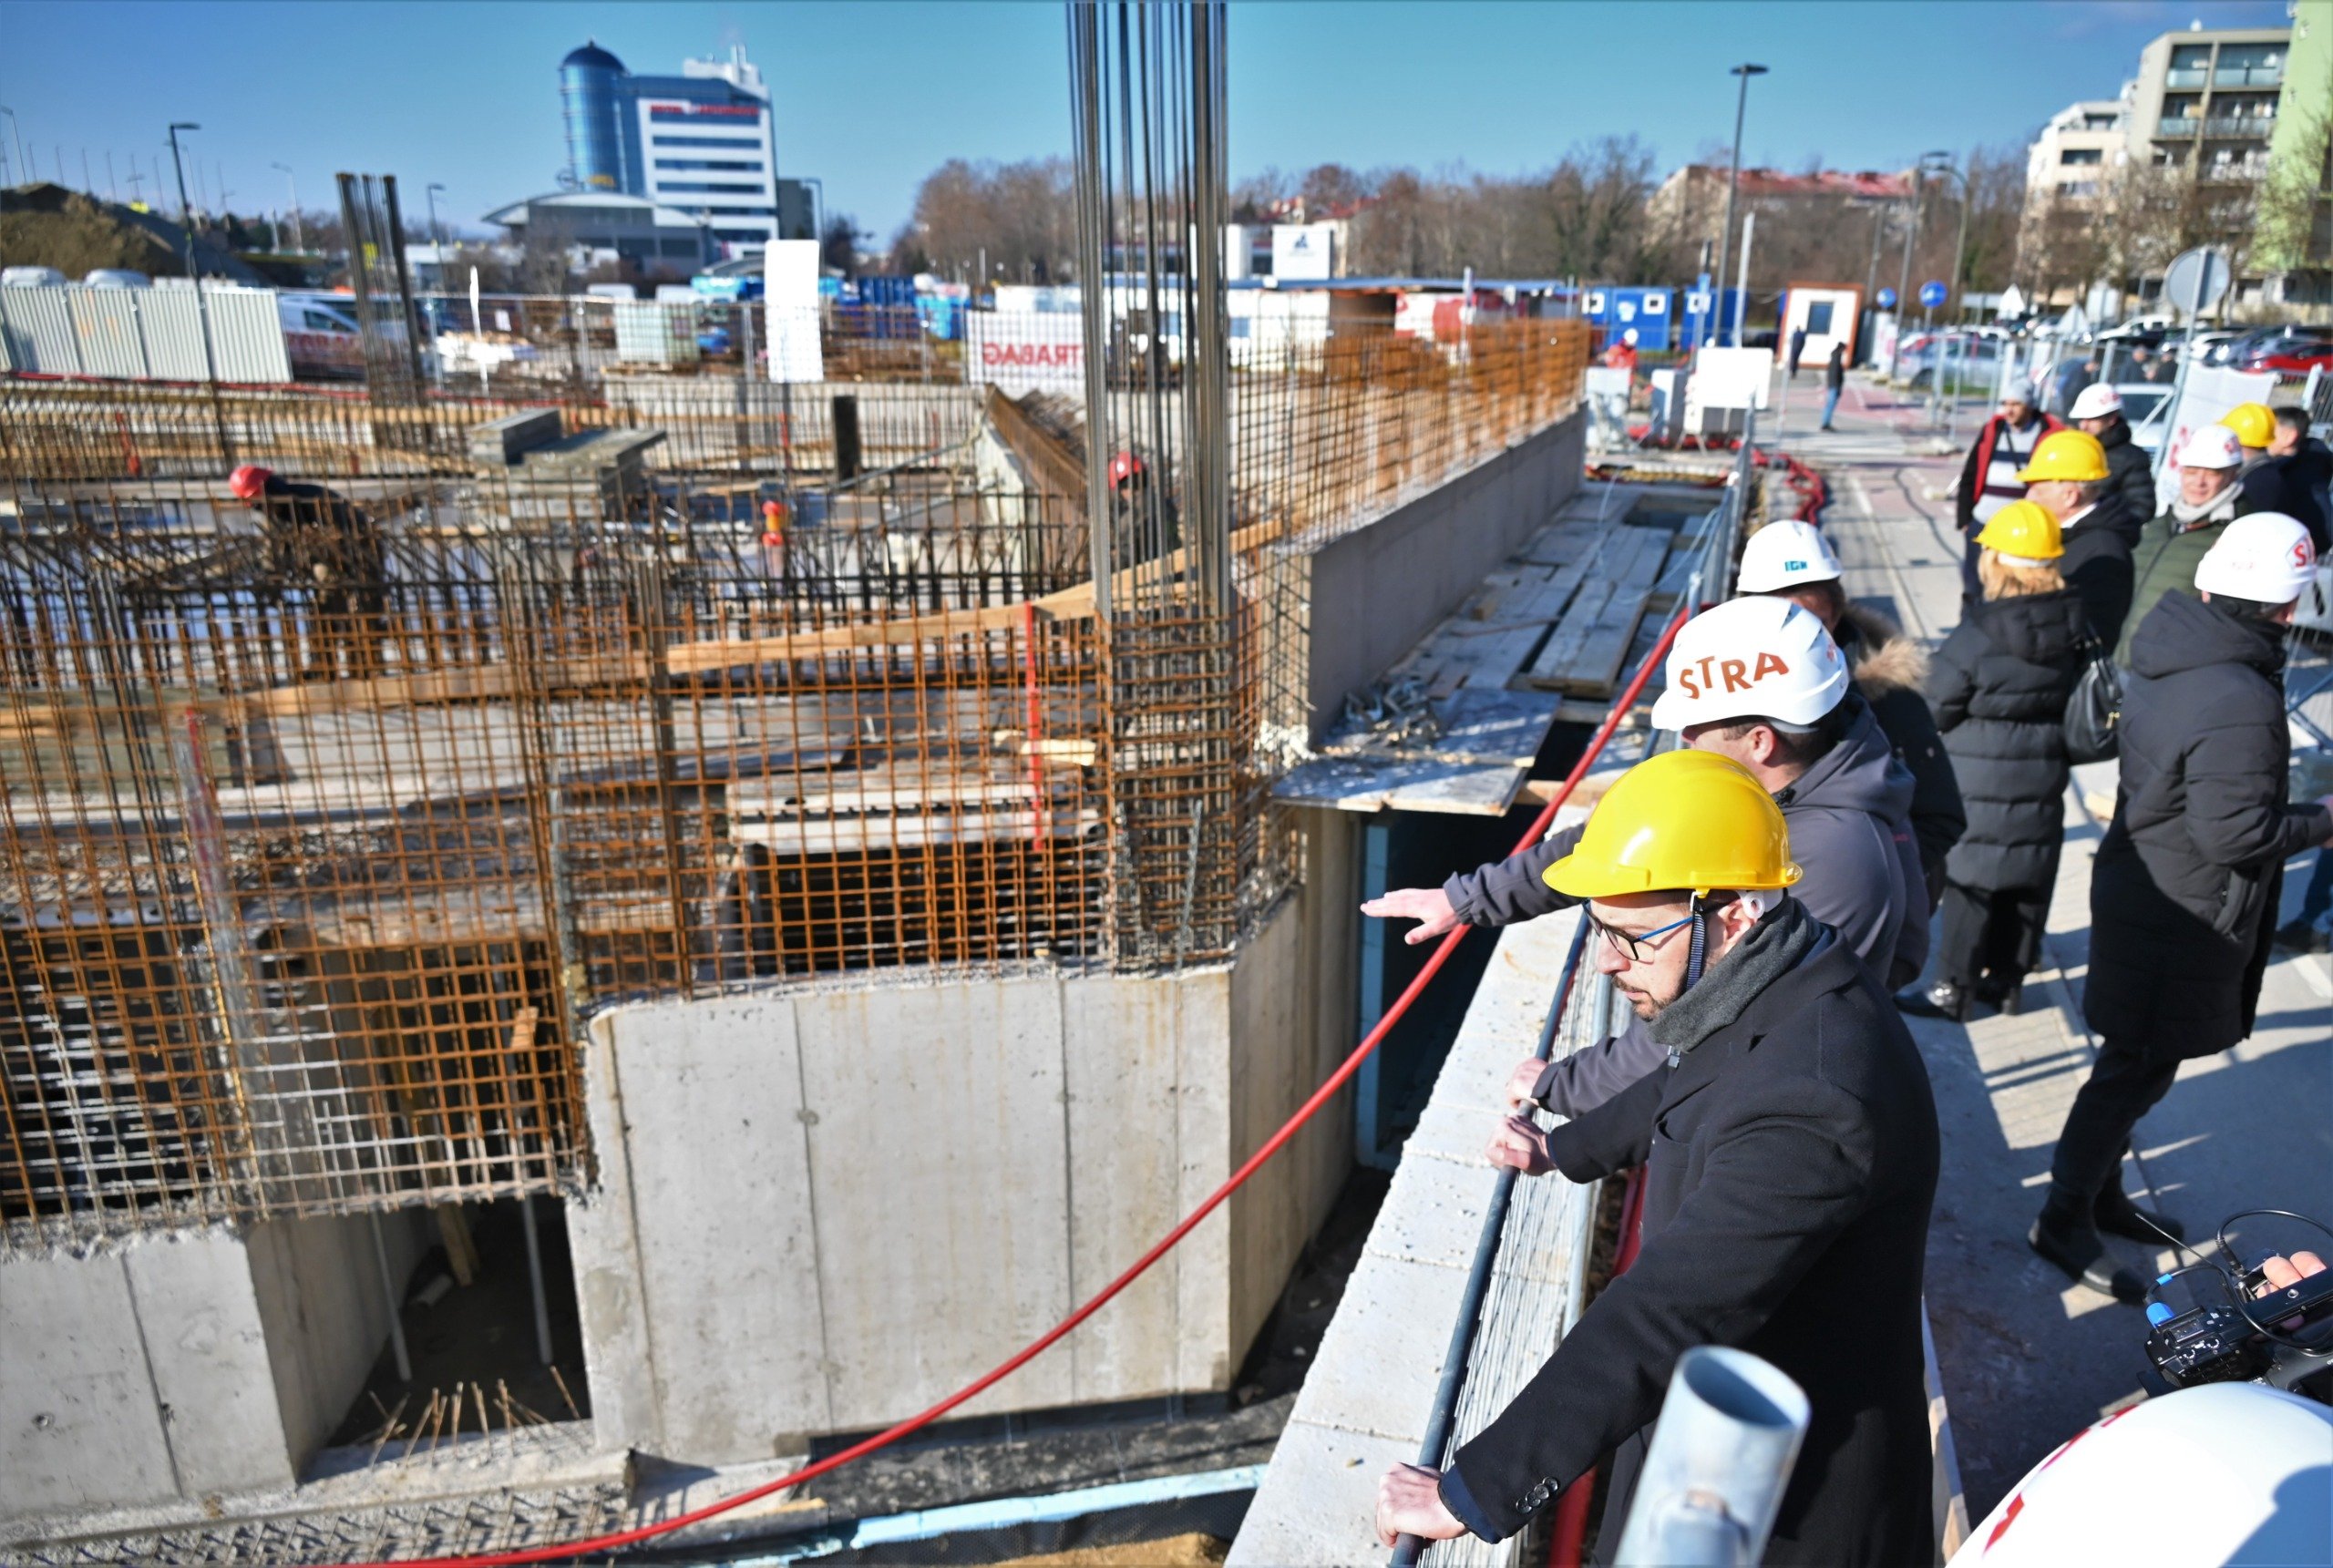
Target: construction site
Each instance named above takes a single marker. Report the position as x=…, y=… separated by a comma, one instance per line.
x=544, y=952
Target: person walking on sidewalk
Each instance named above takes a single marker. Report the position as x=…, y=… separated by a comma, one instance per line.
x=2000, y=683
x=2070, y=477
x=1797, y=350
x=1988, y=479
x=1789, y=1140
x=2174, y=545
x=1792, y=559
x=1835, y=381
x=2184, y=890
x=1757, y=679
x=2098, y=412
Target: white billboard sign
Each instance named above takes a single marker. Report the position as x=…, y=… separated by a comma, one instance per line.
x=1302, y=250
x=1036, y=352
x=790, y=294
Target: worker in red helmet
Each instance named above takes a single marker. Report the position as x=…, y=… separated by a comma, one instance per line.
x=1149, y=524
x=325, y=549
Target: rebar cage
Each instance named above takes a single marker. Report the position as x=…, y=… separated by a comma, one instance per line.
x=330, y=819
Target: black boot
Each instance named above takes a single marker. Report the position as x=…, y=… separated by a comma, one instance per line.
x=2065, y=1236
x=2303, y=936
x=2011, y=1000
x=2116, y=1215
x=1943, y=1000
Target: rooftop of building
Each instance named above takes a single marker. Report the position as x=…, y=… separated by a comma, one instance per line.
x=516, y=214
x=592, y=55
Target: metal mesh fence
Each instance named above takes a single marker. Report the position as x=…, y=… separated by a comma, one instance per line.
x=329, y=819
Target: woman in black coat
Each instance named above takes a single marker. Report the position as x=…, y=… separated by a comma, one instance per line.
x=1999, y=686
x=2183, y=892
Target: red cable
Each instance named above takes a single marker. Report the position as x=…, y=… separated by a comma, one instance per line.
x=617, y=1540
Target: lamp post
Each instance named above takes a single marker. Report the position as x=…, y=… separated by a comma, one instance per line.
x=24, y=169
x=1732, y=187
x=186, y=215
x=1904, y=277
x=1941, y=163
x=299, y=239
x=437, y=233
x=203, y=314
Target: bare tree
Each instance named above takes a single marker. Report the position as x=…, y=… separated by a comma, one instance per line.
x=1022, y=217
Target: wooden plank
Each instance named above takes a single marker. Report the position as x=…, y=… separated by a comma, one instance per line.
x=1583, y=655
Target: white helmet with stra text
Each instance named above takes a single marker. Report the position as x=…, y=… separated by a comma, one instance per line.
x=2266, y=556
x=1785, y=554
x=1753, y=658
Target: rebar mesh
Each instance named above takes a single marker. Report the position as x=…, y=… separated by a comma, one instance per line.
x=327, y=823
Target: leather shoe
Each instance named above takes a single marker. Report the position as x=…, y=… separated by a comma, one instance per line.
x=1943, y=1000
x=2303, y=936
x=2076, y=1249
x=2116, y=1215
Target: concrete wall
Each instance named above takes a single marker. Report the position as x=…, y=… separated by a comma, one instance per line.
x=822, y=1209
x=1376, y=592
x=187, y=1365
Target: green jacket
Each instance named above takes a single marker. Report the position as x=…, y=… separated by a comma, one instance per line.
x=2165, y=562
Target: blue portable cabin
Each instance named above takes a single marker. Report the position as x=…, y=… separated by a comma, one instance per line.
x=1612, y=310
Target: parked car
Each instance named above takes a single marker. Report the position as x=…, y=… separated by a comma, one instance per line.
x=1968, y=358
x=2146, y=329
x=31, y=278
x=321, y=336
x=2293, y=350
x=116, y=277
x=2146, y=407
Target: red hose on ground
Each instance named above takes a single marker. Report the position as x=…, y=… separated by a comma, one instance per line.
x=617, y=1540
x=1568, y=1546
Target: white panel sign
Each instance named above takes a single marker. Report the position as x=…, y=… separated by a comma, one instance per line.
x=790, y=289
x=1025, y=352
x=1304, y=250
x=2206, y=394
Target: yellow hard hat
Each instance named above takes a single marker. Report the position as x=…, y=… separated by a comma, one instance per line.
x=2065, y=455
x=2023, y=532
x=2254, y=425
x=1689, y=820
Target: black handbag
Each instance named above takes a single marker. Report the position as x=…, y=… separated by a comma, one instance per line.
x=2095, y=712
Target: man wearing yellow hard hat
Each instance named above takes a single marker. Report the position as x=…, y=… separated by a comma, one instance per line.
x=1789, y=1150
x=2070, y=478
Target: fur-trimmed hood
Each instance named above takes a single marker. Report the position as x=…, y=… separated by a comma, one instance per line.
x=1883, y=658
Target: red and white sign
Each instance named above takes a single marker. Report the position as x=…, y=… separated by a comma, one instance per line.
x=1042, y=350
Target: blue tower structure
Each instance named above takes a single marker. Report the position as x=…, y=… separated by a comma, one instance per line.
x=590, y=92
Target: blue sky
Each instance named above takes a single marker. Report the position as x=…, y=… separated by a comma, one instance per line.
x=870, y=97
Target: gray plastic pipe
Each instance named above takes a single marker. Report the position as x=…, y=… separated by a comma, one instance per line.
x=1713, y=1478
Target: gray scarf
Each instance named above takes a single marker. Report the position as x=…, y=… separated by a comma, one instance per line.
x=2220, y=509
x=1776, y=945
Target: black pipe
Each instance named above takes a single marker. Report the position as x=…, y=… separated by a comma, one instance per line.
x=1407, y=1551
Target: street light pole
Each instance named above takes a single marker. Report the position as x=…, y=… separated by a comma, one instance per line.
x=437, y=233
x=1941, y=163
x=1732, y=185
x=1904, y=278
x=299, y=239
x=194, y=275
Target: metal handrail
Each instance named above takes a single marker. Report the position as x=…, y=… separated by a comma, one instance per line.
x=1715, y=566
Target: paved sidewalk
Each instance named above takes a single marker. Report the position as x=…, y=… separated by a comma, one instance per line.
x=2027, y=1360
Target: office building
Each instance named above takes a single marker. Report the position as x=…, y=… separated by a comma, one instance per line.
x=703, y=142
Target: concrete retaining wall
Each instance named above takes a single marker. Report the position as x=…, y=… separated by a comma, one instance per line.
x=183, y=1366
x=822, y=1209
x=1376, y=592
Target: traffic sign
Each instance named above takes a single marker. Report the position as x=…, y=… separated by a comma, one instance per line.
x=2195, y=280
x=1932, y=294
x=1887, y=299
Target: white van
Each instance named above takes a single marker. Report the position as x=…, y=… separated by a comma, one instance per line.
x=320, y=335
x=31, y=278
x=116, y=278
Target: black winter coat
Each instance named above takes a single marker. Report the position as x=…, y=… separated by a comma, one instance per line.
x=2129, y=472
x=2292, y=484
x=1999, y=684
x=1889, y=670
x=1790, y=1162
x=2184, y=893
x=2098, y=564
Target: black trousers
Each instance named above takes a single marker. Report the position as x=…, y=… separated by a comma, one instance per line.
x=2125, y=1083
x=1990, y=935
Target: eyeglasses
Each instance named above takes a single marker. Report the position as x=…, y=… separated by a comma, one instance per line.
x=1636, y=946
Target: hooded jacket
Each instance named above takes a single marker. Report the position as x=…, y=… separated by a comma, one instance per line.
x=2097, y=563
x=1850, y=829
x=2184, y=893
x=1791, y=1162
x=2000, y=686
x=2167, y=555
x=2129, y=472
x=1889, y=670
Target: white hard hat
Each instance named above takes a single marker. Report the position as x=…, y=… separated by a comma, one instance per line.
x=2212, y=446
x=1785, y=554
x=1629, y=335
x=2095, y=401
x=1753, y=658
x=2221, y=1473
x=2266, y=556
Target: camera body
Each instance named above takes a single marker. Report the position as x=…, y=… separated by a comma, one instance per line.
x=2205, y=1327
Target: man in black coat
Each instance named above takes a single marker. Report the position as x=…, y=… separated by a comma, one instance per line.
x=2184, y=890
x=2293, y=477
x=1790, y=1154
x=320, y=543
x=2073, y=481
x=2131, y=471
